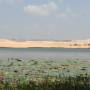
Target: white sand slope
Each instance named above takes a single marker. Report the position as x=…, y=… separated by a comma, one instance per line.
x=44, y=44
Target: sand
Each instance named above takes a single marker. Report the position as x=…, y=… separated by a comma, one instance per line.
x=45, y=44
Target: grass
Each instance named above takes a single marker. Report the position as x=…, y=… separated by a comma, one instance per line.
x=18, y=74
x=67, y=83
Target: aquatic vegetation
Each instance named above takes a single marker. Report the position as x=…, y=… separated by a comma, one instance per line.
x=18, y=74
x=71, y=83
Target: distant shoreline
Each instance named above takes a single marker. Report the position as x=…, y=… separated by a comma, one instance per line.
x=6, y=43
x=40, y=48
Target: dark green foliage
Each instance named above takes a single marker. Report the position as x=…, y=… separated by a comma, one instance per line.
x=66, y=83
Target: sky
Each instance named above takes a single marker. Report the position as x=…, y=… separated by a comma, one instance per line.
x=45, y=19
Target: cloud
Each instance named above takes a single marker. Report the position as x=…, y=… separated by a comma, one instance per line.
x=66, y=13
x=41, y=10
x=50, y=8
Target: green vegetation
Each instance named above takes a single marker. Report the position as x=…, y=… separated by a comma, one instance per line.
x=70, y=83
x=69, y=74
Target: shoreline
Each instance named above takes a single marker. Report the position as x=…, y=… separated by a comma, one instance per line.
x=40, y=48
x=6, y=43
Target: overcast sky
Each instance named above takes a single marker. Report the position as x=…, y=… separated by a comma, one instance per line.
x=45, y=19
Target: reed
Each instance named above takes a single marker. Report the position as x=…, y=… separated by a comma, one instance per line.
x=79, y=82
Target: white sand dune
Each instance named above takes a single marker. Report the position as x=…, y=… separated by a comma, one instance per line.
x=62, y=44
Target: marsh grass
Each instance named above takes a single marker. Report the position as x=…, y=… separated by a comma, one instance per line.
x=66, y=83
x=18, y=74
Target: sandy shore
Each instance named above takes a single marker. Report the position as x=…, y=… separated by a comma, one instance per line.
x=45, y=44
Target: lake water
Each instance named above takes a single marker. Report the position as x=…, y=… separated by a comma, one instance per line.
x=43, y=61
x=26, y=53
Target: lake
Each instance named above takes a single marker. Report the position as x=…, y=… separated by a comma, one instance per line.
x=52, y=53
x=43, y=62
